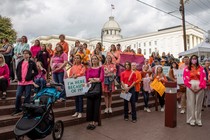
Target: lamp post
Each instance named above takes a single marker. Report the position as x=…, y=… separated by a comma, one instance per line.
x=182, y=11
x=102, y=35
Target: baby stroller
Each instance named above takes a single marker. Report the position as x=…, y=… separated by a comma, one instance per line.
x=38, y=119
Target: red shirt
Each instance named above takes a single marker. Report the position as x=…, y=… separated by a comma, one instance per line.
x=125, y=76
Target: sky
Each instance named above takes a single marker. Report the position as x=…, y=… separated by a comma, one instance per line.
x=85, y=18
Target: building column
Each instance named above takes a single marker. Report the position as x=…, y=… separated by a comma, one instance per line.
x=194, y=39
x=191, y=43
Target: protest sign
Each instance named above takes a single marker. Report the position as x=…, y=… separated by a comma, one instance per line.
x=74, y=87
x=166, y=70
x=158, y=86
x=180, y=76
x=132, y=58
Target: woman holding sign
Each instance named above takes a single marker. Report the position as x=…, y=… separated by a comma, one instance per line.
x=159, y=76
x=195, y=81
x=77, y=70
x=128, y=81
x=95, y=74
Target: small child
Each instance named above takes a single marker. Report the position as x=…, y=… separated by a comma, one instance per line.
x=40, y=79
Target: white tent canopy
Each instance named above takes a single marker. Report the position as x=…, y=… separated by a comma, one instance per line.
x=202, y=49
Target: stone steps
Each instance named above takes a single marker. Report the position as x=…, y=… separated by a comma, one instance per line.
x=62, y=111
x=6, y=132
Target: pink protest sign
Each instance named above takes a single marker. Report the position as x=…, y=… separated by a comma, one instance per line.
x=132, y=58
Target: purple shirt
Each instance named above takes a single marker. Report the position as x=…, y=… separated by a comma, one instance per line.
x=94, y=73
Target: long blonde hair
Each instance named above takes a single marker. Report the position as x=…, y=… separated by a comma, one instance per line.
x=3, y=63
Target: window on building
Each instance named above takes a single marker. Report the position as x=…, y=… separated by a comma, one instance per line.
x=155, y=42
x=144, y=44
x=139, y=45
x=145, y=52
x=150, y=43
x=150, y=50
x=134, y=45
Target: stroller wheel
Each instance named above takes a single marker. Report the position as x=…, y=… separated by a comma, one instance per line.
x=19, y=137
x=58, y=130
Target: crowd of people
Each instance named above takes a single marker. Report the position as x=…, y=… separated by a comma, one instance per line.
x=32, y=67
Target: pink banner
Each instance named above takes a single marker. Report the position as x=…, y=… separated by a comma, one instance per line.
x=132, y=58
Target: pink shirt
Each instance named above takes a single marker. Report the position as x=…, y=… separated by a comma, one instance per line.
x=57, y=61
x=34, y=50
x=4, y=71
x=24, y=70
x=202, y=77
x=41, y=74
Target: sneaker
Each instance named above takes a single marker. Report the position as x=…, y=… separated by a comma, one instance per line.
x=199, y=124
x=182, y=111
x=192, y=123
x=110, y=110
x=133, y=121
x=145, y=109
x=61, y=100
x=148, y=110
x=106, y=110
x=179, y=106
x=126, y=119
x=79, y=115
x=92, y=127
x=16, y=113
x=89, y=126
x=4, y=96
x=75, y=114
x=14, y=81
x=162, y=109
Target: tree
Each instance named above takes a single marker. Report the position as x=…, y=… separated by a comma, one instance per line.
x=6, y=29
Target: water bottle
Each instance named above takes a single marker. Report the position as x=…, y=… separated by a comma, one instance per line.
x=37, y=102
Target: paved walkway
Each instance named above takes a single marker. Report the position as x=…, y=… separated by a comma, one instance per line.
x=150, y=126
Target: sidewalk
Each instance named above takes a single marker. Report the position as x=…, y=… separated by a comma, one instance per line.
x=150, y=126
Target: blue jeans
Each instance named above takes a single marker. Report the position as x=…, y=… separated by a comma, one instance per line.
x=19, y=93
x=146, y=98
x=41, y=82
x=133, y=105
x=79, y=103
x=58, y=78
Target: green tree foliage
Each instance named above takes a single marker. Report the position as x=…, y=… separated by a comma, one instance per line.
x=6, y=30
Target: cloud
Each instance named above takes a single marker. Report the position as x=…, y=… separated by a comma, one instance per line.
x=85, y=19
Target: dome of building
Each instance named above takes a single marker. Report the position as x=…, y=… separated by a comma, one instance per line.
x=111, y=30
x=111, y=24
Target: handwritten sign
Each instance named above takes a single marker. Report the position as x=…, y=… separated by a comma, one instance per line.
x=74, y=87
x=180, y=76
x=166, y=70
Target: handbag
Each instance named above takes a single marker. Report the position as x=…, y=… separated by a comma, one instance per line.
x=111, y=78
x=95, y=89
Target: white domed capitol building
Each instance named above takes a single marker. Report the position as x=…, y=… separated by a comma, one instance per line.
x=164, y=40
